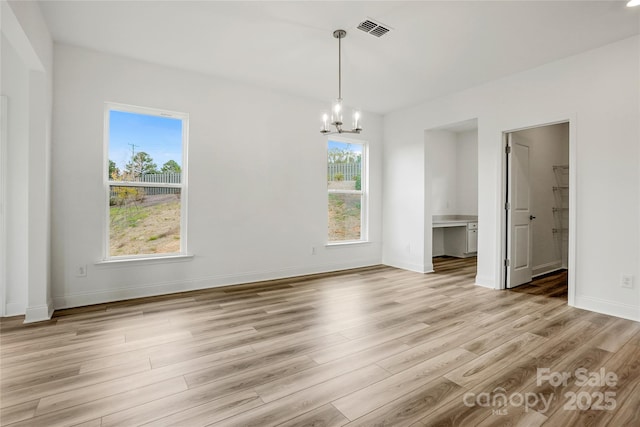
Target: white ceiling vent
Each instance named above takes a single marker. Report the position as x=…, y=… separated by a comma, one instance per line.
x=374, y=28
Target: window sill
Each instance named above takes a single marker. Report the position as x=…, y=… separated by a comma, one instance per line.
x=146, y=260
x=349, y=243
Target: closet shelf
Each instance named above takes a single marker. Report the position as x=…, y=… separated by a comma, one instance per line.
x=560, y=228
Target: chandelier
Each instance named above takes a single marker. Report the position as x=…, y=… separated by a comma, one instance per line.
x=336, y=106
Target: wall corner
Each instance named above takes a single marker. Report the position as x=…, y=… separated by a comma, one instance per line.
x=39, y=313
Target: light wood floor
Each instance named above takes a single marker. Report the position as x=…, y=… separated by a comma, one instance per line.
x=376, y=346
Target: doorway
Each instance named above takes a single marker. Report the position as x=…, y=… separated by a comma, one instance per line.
x=538, y=213
x=452, y=179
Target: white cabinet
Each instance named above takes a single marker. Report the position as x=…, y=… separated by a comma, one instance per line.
x=462, y=240
x=472, y=237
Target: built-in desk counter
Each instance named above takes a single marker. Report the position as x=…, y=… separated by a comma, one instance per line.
x=459, y=235
x=450, y=223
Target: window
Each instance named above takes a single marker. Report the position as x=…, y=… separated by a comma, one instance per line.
x=347, y=187
x=145, y=181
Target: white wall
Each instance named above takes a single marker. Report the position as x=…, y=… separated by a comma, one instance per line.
x=443, y=152
x=27, y=51
x=257, y=181
x=437, y=242
x=549, y=146
x=454, y=171
x=467, y=167
x=599, y=91
x=15, y=86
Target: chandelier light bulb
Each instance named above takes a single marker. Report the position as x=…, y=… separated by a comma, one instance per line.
x=325, y=123
x=336, y=112
x=357, y=120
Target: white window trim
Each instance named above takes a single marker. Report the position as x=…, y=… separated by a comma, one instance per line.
x=107, y=184
x=146, y=259
x=364, y=192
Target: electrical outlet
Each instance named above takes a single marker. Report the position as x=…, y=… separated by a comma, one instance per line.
x=626, y=281
x=81, y=271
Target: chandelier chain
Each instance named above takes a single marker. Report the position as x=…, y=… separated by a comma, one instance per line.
x=340, y=67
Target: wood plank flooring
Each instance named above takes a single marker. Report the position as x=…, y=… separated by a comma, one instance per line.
x=365, y=347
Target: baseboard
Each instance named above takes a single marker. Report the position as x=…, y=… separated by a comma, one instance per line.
x=547, y=268
x=486, y=282
x=38, y=313
x=14, y=309
x=611, y=308
x=418, y=268
x=428, y=267
x=164, y=288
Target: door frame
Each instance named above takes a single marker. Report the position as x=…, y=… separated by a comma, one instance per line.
x=572, y=237
x=3, y=204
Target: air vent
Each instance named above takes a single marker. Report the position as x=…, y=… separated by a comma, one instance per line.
x=367, y=26
x=373, y=28
x=379, y=31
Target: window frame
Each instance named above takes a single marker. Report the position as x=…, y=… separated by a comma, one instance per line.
x=364, y=191
x=107, y=183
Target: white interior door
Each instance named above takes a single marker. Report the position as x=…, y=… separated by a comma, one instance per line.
x=519, y=216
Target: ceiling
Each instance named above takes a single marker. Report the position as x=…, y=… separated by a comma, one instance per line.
x=433, y=48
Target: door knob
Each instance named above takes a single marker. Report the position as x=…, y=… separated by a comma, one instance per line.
x=531, y=217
